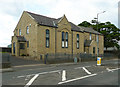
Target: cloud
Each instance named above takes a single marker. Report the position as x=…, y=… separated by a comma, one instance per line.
x=11, y=7
x=75, y=10
x=119, y=14
x=80, y=10
x=6, y=29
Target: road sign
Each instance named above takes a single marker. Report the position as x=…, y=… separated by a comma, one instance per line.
x=98, y=61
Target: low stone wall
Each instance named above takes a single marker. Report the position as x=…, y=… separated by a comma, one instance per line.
x=6, y=65
x=5, y=60
x=5, y=49
x=113, y=54
x=58, y=58
x=64, y=58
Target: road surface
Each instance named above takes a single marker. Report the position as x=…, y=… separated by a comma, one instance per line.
x=85, y=73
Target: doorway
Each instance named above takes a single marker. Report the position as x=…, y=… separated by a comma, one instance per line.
x=14, y=47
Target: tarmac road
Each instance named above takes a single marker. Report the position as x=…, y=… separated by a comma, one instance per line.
x=85, y=73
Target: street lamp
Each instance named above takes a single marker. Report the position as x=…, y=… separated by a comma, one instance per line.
x=97, y=31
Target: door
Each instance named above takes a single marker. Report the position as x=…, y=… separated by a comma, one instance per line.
x=14, y=47
x=94, y=50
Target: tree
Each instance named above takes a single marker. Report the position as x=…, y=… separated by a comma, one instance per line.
x=85, y=24
x=110, y=31
x=111, y=34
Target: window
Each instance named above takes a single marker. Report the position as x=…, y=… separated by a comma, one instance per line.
x=77, y=41
x=30, y=25
x=66, y=39
x=97, y=38
x=47, y=38
x=22, y=46
x=90, y=36
x=27, y=44
x=63, y=39
x=27, y=31
x=93, y=50
x=20, y=32
x=98, y=51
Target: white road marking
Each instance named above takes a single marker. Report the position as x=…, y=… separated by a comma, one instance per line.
x=111, y=70
x=78, y=68
x=20, y=76
x=39, y=68
x=28, y=77
x=86, y=70
x=36, y=75
x=39, y=73
x=31, y=81
x=77, y=79
x=63, y=75
x=116, y=69
x=54, y=71
x=81, y=67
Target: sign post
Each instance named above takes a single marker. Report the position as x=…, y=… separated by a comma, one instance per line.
x=98, y=61
x=75, y=60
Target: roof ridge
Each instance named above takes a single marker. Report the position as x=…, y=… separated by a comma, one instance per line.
x=40, y=15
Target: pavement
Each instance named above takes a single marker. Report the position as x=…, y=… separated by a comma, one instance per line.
x=85, y=73
x=6, y=70
x=17, y=62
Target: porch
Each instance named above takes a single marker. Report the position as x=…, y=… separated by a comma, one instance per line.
x=19, y=46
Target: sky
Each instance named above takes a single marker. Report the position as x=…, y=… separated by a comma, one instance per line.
x=119, y=14
x=76, y=11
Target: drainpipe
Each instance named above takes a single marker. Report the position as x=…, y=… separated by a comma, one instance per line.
x=19, y=48
x=55, y=39
x=72, y=42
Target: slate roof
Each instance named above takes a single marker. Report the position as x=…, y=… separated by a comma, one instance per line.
x=43, y=20
x=87, y=43
x=21, y=38
x=75, y=28
x=89, y=30
x=52, y=22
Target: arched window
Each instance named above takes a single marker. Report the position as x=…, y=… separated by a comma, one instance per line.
x=20, y=32
x=27, y=44
x=66, y=40
x=63, y=37
x=47, y=38
x=77, y=41
x=27, y=30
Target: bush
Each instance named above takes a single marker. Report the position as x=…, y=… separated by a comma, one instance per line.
x=23, y=55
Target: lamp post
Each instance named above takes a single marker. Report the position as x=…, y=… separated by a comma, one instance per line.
x=97, y=31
